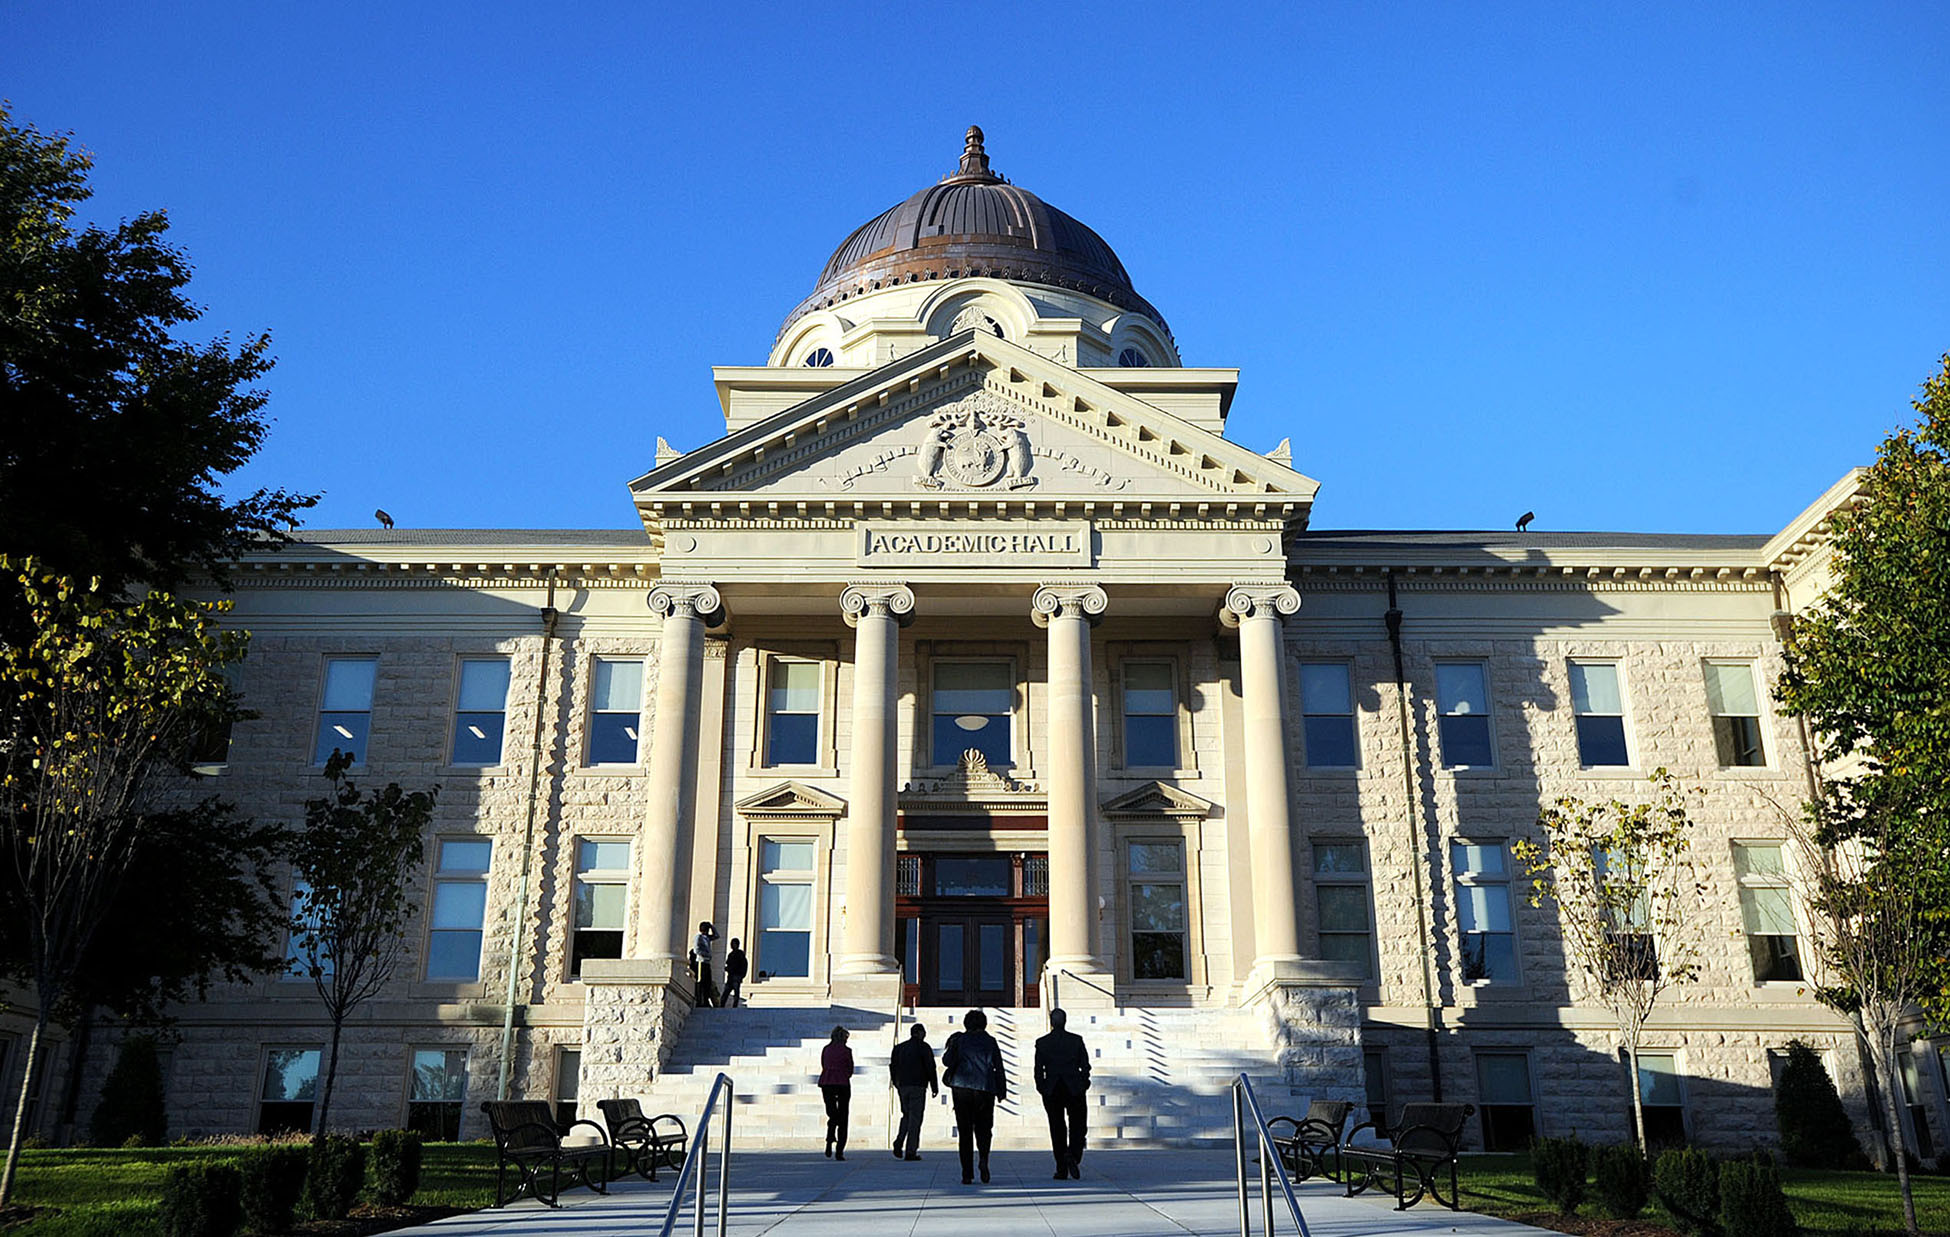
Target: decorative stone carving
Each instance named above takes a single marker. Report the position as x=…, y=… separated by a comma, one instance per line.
x=971, y=776
x=1085, y=601
x=686, y=599
x=975, y=443
x=860, y=600
x=1259, y=600
x=974, y=318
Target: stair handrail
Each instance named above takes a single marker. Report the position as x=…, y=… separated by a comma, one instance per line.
x=698, y=1159
x=1245, y=1101
x=1055, y=978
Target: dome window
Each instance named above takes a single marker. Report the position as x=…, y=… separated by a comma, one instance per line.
x=819, y=358
x=1131, y=358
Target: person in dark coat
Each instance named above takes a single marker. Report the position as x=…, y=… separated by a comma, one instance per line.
x=912, y=1071
x=971, y=1065
x=836, y=1084
x=703, y=990
x=735, y=965
x=1062, y=1078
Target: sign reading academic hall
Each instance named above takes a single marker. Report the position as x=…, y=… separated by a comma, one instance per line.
x=976, y=665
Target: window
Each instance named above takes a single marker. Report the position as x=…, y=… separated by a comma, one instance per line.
x=1767, y=911
x=616, y=710
x=1600, y=711
x=1662, y=1100
x=792, y=712
x=1150, y=716
x=480, y=711
x=439, y=1090
x=1736, y=714
x=212, y=744
x=1131, y=358
x=974, y=703
x=1157, y=892
x=1327, y=714
x=1374, y=1077
x=1503, y=1086
x=1917, y=1111
x=290, y=1085
x=459, y=909
x=785, y=907
x=1341, y=894
x=1632, y=951
x=819, y=358
x=345, y=709
x=299, y=945
x=1489, y=939
x=602, y=893
x=568, y=1082
x=1463, y=699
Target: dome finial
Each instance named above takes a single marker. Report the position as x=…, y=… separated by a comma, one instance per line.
x=974, y=159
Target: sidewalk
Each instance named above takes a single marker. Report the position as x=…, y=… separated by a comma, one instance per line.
x=1122, y=1194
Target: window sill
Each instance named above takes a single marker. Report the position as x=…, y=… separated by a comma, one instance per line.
x=1335, y=771
x=452, y=771
x=1474, y=773
x=1613, y=773
x=635, y=770
x=449, y=991
x=1757, y=772
x=1155, y=773
x=808, y=771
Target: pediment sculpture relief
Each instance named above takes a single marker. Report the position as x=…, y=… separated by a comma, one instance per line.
x=975, y=443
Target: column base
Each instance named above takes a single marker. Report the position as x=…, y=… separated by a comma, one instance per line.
x=1078, y=984
x=1270, y=974
x=875, y=990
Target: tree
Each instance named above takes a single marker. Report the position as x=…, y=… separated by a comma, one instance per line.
x=99, y=702
x=1622, y=878
x=349, y=915
x=114, y=433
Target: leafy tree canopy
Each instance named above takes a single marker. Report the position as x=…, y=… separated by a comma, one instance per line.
x=114, y=433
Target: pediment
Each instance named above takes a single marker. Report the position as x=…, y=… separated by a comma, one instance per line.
x=794, y=800
x=974, y=418
x=1157, y=799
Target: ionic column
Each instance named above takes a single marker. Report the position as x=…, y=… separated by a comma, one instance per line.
x=875, y=613
x=664, y=902
x=1257, y=608
x=1069, y=612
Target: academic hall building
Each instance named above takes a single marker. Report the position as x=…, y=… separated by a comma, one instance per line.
x=975, y=666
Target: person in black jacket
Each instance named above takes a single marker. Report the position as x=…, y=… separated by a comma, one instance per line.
x=735, y=966
x=912, y=1071
x=1062, y=1078
x=971, y=1065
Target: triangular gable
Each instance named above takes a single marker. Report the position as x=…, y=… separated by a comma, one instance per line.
x=974, y=417
x=794, y=800
x=1155, y=799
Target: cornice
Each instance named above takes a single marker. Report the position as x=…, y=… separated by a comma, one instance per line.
x=1744, y=578
x=339, y=573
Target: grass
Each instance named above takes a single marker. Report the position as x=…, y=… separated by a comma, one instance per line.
x=115, y=1192
x=1824, y=1201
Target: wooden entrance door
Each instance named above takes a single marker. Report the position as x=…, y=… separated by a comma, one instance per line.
x=968, y=959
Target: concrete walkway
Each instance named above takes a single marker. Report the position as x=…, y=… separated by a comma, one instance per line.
x=1122, y=1194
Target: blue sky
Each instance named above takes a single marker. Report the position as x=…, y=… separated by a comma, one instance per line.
x=1670, y=268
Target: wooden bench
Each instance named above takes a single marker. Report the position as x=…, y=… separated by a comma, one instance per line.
x=525, y=1136
x=647, y=1142
x=1306, y=1144
x=1426, y=1139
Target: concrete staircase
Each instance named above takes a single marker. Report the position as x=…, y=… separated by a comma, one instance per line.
x=1159, y=1077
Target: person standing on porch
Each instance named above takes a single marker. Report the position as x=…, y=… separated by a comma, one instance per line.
x=912, y=1071
x=1062, y=1078
x=971, y=1065
x=705, y=992
x=836, y=1084
x=735, y=966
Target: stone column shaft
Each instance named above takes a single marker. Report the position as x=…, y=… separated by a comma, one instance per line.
x=1071, y=777
x=1262, y=669
x=867, y=943
x=663, y=893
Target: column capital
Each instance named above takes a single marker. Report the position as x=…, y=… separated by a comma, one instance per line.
x=1085, y=601
x=1246, y=601
x=860, y=600
x=686, y=599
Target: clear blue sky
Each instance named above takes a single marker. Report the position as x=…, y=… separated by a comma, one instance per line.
x=1670, y=268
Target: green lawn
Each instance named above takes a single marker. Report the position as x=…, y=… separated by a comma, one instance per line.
x=114, y=1193
x=1824, y=1201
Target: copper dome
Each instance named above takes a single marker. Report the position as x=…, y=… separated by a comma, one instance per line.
x=973, y=223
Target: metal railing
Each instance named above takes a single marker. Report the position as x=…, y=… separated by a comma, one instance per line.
x=1244, y=1103
x=697, y=1160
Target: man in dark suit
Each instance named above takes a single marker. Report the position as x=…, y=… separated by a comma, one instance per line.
x=1062, y=1078
x=913, y=1074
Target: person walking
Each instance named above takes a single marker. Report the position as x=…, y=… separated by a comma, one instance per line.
x=912, y=1071
x=836, y=1084
x=703, y=990
x=1062, y=1078
x=735, y=966
x=971, y=1065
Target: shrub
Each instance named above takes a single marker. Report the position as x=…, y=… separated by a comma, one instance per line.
x=336, y=1170
x=1688, y=1183
x=131, y=1112
x=1560, y=1165
x=395, y=1166
x=274, y=1178
x=201, y=1200
x=1815, y=1130
x=1751, y=1202
x=1622, y=1186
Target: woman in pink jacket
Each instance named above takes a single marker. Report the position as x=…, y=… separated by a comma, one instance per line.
x=836, y=1084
